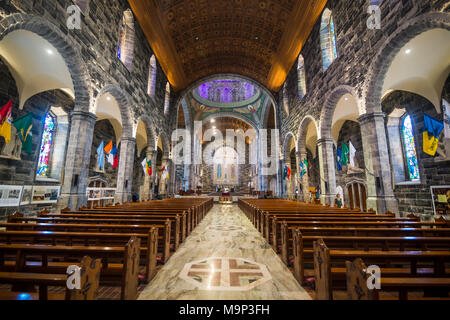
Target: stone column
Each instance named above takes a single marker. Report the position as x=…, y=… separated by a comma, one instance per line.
x=376, y=157
x=327, y=170
x=76, y=169
x=125, y=173
x=148, y=180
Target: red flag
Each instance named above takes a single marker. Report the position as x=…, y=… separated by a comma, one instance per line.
x=116, y=161
x=288, y=173
x=5, y=112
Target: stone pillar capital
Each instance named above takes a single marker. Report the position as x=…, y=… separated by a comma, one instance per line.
x=367, y=117
x=83, y=115
x=128, y=139
x=324, y=141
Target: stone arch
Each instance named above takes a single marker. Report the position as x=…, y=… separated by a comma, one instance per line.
x=285, y=144
x=187, y=114
x=391, y=47
x=123, y=101
x=150, y=133
x=302, y=131
x=195, y=84
x=165, y=142
x=65, y=47
x=326, y=117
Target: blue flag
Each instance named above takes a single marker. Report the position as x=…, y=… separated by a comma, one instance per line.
x=100, y=154
x=431, y=130
x=339, y=158
x=114, y=150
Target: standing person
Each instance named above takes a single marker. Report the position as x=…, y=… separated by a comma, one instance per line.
x=338, y=201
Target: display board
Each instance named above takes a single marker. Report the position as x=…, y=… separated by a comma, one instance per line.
x=45, y=194
x=10, y=196
x=441, y=199
x=100, y=193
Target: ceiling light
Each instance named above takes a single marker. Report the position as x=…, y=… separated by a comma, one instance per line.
x=346, y=99
x=408, y=51
x=213, y=120
x=49, y=51
x=108, y=98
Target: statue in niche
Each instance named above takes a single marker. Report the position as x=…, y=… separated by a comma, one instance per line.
x=14, y=148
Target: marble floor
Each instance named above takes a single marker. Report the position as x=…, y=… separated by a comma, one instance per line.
x=224, y=258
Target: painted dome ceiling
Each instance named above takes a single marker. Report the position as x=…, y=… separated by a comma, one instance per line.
x=231, y=93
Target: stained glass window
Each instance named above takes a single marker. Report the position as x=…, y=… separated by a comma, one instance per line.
x=410, y=149
x=301, y=77
x=328, y=39
x=46, y=145
x=121, y=39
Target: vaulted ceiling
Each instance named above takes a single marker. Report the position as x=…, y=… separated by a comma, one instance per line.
x=260, y=39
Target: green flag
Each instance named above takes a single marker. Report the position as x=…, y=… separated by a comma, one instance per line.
x=345, y=153
x=24, y=125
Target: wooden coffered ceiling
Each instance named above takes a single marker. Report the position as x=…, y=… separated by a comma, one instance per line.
x=260, y=39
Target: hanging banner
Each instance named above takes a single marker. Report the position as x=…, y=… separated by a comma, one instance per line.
x=45, y=194
x=10, y=196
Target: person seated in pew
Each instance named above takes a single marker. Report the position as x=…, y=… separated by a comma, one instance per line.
x=338, y=201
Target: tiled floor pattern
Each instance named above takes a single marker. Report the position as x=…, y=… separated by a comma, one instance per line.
x=224, y=258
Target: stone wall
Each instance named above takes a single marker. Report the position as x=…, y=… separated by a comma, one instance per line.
x=357, y=48
x=95, y=45
x=416, y=197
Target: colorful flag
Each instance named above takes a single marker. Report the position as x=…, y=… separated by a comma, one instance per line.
x=114, y=151
x=100, y=156
x=5, y=112
x=24, y=125
x=149, y=167
x=352, y=153
x=108, y=148
x=345, y=152
x=116, y=161
x=431, y=130
x=339, y=158
x=144, y=165
x=5, y=130
x=165, y=173
x=288, y=173
x=110, y=159
x=284, y=172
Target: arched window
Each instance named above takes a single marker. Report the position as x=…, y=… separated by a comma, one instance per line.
x=152, y=77
x=285, y=99
x=126, y=39
x=167, y=99
x=46, y=146
x=410, y=153
x=301, y=77
x=327, y=39
x=82, y=4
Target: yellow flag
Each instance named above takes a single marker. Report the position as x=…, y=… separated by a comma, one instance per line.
x=5, y=130
x=430, y=144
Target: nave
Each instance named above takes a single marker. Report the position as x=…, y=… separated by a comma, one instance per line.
x=231, y=261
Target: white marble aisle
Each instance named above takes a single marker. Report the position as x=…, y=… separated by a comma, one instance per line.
x=224, y=258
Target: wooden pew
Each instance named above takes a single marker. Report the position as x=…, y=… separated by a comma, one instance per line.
x=324, y=257
x=127, y=276
x=303, y=246
x=164, y=228
x=149, y=242
x=89, y=283
x=358, y=278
